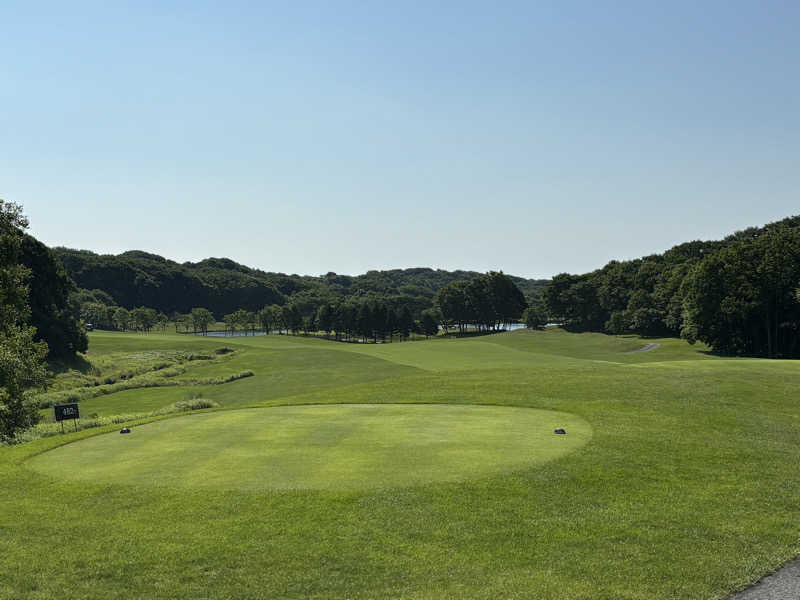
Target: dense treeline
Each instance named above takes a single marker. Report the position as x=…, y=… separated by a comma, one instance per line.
x=50, y=288
x=135, y=279
x=364, y=319
x=98, y=310
x=486, y=301
x=738, y=295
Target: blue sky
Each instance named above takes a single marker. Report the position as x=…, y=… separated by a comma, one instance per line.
x=533, y=137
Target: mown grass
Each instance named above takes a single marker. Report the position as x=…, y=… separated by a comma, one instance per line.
x=342, y=446
x=687, y=488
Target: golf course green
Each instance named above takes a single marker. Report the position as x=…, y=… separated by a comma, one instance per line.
x=406, y=470
x=354, y=446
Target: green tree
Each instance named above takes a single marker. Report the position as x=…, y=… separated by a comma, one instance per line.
x=325, y=318
x=391, y=324
x=309, y=324
x=740, y=300
x=201, y=319
x=14, y=276
x=346, y=318
x=429, y=323
x=618, y=323
x=276, y=319
x=49, y=300
x=264, y=317
x=122, y=319
x=21, y=357
x=535, y=316
x=21, y=368
x=405, y=322
x=292, y=318
x=481, y=303
x=243, y=319
x=144, y=318
x=643, y=315
x=507, y=299
x=378, y=319
x=98, y=315
x=364, y=321
x=231, y=323
x=453, y=303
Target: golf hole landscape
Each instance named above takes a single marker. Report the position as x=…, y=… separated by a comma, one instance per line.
x=355, y=446
x=400, y=300
x=425, y=469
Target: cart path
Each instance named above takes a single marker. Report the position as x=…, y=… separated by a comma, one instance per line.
x=647, y=348
x=783, y=584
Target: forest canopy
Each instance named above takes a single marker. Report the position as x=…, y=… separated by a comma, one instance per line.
x=137, y=278
x=738, y=295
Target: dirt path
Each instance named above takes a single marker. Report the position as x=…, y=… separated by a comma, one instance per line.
x=783, y=584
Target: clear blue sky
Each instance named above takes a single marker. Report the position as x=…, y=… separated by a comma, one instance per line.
x=308, y=137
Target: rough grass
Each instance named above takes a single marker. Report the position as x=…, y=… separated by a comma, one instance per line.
x=160, y=374
x=687, y=489
x=90, y=421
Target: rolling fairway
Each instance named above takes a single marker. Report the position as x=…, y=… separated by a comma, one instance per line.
x=684, y=483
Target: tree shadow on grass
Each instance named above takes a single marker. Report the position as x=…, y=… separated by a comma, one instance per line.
x=76, y=363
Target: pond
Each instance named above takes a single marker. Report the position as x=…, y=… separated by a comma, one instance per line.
x=509, y=327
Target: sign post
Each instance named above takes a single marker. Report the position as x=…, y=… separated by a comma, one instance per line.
x=67, y=411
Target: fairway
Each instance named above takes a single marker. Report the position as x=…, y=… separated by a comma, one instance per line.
x=420, y=470
x=322, y=447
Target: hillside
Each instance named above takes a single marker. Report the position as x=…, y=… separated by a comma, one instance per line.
x=137, y=278
x=739, y=294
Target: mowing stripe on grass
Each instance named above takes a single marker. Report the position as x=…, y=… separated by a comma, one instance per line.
x=356, y=446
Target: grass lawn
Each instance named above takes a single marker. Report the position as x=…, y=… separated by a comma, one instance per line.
x=344, y=446
x=680, y=479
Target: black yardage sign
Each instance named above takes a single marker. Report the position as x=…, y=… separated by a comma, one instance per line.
x=66, y=411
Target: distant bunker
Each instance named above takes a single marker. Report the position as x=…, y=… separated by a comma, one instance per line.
x=337, y=446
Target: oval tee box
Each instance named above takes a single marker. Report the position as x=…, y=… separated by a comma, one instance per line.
x=338, y=446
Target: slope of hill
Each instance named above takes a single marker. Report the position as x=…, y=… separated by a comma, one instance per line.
x=137, y=278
